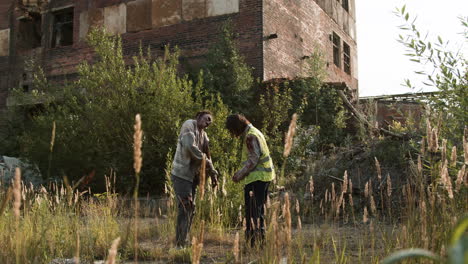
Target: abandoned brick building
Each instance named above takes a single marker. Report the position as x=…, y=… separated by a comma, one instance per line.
x=274, y=36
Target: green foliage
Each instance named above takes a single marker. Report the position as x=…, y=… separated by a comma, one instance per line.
x=227, y=73
x=274, y=108
x=457, y=254
x=442, y=69
x=94, y=115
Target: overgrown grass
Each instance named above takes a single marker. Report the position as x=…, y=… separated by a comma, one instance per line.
x=341, y=226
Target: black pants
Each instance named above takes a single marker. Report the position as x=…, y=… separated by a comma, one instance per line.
x=185, y=195
x=255, y=196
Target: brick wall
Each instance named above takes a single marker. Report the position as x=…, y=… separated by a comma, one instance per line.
x=193, y=36
x=300, y=26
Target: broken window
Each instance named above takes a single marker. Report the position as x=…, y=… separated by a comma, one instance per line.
x=347, y=58
x=62, y=29
x=336, y=49
x=29, y=31
x=345, y=4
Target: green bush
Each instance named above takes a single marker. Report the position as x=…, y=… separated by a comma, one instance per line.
x=94, y=116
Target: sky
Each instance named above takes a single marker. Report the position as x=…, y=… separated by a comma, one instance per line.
x=382, y=66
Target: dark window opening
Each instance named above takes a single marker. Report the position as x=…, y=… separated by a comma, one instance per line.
x=336, y=50
x=345, y=4
x=29, y=31
x=62, y=29
x=347, y=58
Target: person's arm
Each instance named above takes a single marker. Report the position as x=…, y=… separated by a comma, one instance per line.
x=254, y=153
x=188, y=141
x=209, y=163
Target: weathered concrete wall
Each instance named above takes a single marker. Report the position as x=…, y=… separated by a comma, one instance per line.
x=301, y=27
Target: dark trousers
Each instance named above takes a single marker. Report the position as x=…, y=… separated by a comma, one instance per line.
x=255, y=196
x=185, y=195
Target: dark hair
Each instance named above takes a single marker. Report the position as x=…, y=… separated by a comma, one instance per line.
x=236, y=124
x=202, y=113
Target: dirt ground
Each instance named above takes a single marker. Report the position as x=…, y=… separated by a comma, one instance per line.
x=361, y=243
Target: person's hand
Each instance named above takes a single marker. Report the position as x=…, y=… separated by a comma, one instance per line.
x=214, y=178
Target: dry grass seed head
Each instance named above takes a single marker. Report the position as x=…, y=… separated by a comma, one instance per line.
x=465, y=146
x=113, y=251
x=453, y=156
x=17, y=193
x=137, y=143
x=461, y=178
x=236, y=248
x=445, y=179
x=379, y=170
x=444, y=149
x=389, y=185
x=289, y=136
x=365, y=215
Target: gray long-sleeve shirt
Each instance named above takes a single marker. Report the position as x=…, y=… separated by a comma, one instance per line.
x=189, y=153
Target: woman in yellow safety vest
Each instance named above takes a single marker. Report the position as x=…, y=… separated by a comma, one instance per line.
x=256, y=174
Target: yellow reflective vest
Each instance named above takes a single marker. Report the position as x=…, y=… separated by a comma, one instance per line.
x=264, y=171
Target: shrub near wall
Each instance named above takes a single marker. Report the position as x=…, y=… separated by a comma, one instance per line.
x=94, y=116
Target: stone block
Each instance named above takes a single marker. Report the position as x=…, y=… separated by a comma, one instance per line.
x=84, y=25
x=222, y=7
x=193, y=9
x=96, y=17
x=166, y=12
x=139, y=15
x=4, y=42
x=90, y=18
x=115, y=19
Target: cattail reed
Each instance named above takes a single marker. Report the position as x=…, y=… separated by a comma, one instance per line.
x=113, y=251
x=445, y=179
x=289, y=136
x=453, y=156
x=202, y=177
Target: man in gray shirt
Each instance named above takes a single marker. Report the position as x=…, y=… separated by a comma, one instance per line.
x=192, y=145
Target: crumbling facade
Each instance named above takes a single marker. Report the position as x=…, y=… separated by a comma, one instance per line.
x=275, y=36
